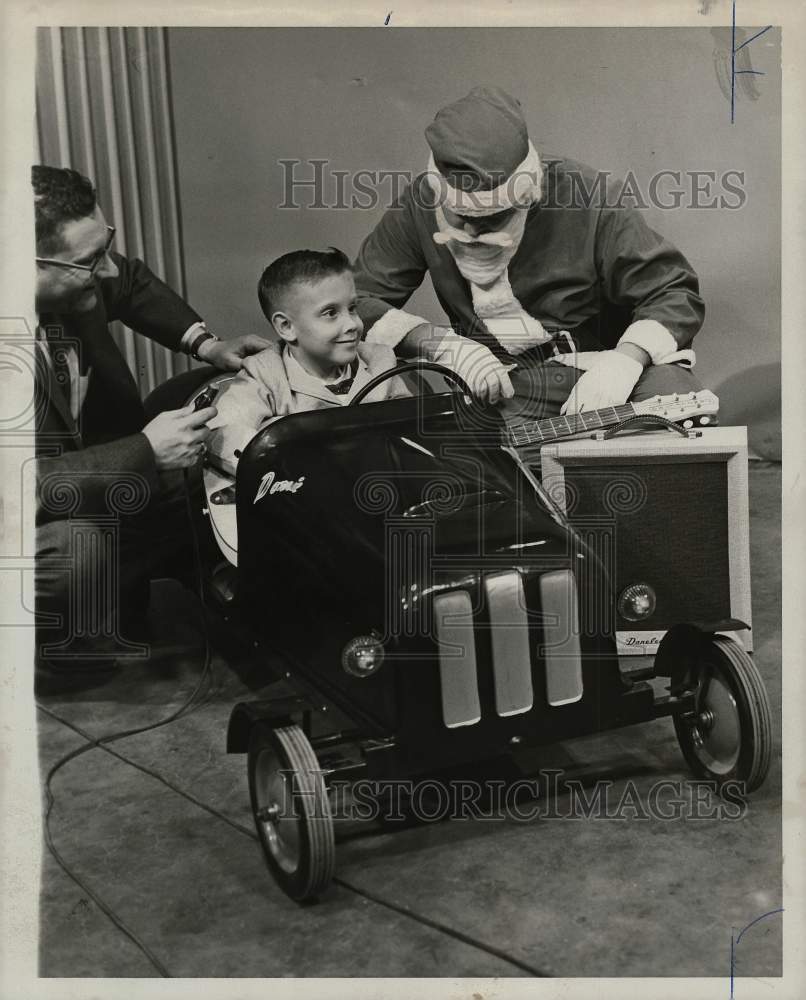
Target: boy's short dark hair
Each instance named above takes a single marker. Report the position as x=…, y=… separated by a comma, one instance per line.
x=299, y=265
x=60, y=195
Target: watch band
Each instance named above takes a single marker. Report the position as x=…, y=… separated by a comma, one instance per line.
x=197, y=341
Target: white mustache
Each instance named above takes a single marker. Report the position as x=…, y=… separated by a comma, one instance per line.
x=444, y=236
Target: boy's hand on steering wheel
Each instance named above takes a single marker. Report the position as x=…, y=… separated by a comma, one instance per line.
x=178, y=438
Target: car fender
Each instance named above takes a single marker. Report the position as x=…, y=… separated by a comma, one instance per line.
x=247, y=713
x=681, y=647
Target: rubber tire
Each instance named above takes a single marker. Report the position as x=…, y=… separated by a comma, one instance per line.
x=741, y=676
x=317, y=842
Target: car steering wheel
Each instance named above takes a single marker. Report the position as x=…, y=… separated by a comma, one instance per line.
x=412, y=366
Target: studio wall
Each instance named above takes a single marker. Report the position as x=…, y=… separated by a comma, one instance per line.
x=103, y=108
x=622, y=100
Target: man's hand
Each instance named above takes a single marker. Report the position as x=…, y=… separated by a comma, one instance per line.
x=179, y=437
x=486, y=377
x=609, y=378
x=229, y=354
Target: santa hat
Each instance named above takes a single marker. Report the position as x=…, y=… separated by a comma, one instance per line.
x=482, y=161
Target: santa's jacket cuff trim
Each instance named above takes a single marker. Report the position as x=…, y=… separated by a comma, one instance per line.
x=392, y=327
x=658, y=342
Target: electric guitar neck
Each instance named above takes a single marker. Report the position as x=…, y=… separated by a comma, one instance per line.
x=695, y=409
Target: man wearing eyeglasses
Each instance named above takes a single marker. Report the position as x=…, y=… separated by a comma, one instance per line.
x=91, y=428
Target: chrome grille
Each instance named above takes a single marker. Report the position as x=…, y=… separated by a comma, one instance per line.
x=561, y=651
x=510, y=646
x=453, y=625
x=512, y=667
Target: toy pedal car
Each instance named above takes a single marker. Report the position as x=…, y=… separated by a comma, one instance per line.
x=410, y=574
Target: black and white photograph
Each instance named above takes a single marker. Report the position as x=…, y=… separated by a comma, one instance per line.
x=394, y=577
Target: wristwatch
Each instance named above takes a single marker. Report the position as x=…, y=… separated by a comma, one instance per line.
x=201, y=338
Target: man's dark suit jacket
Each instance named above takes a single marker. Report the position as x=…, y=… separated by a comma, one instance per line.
x=107, y=439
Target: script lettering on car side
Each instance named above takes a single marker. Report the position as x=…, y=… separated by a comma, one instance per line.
x=269, y=485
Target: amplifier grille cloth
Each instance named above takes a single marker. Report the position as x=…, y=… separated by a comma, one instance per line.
x=676, y=540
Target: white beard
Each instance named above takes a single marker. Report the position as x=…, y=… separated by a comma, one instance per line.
x=483, y=263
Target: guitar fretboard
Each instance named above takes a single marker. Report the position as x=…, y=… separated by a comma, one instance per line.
x=551, y=428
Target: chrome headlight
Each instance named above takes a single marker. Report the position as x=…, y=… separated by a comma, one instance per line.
x=362, y=656
x=637, y=602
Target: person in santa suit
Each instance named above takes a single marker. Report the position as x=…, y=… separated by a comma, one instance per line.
x=560, y=298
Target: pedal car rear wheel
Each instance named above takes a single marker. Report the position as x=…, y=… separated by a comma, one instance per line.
x=728, y=737
x=291, y=810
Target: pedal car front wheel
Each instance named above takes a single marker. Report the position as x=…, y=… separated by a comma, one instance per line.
x=291, y=810
x=728, y=735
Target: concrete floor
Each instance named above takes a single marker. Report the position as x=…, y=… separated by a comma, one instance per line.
x=158, y=827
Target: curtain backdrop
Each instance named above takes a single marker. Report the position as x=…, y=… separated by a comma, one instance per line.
x=103, y=107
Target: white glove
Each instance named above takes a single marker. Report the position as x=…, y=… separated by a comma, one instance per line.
x=486, y=377
x=609, y=378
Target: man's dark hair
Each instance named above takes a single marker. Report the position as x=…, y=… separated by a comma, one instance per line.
x=60, y=195
x=299, y=265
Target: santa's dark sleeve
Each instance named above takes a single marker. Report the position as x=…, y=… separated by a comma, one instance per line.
x=643, y=271
x=390, y=266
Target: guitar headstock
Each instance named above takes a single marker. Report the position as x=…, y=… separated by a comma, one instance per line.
x=692, y=409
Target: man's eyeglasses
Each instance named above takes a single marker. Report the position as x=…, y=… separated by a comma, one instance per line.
x=94, y=264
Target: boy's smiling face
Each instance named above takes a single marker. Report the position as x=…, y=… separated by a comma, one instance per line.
x=319, y=322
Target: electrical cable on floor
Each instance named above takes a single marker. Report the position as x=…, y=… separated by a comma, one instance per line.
x=450, y=931
x=402, y=910
x=152, y=774
x=191, y=704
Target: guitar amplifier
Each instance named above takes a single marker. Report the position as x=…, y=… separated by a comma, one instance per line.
x=661, y=510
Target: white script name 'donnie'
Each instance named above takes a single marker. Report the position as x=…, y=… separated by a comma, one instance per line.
x=268, y=485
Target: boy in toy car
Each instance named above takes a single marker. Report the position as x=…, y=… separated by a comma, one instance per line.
x=320, y=362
